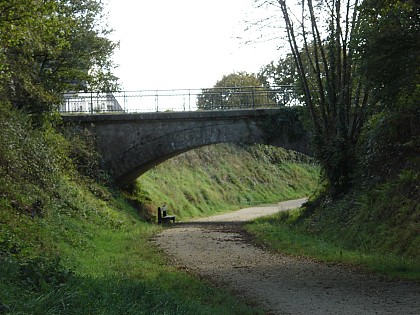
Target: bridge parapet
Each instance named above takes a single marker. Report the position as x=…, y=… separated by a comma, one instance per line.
x=216, y=98
x=131, y=144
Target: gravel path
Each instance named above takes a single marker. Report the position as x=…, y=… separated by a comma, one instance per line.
x=218, y=249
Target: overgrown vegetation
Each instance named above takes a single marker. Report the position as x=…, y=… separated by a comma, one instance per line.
x=226, y=177
x=362, y=94
x=376, y=224
x=377, y=229
x=51, y=47
x=345, y=61
x=69, y=244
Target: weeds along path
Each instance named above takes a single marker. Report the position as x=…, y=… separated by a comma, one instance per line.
x=218, y=249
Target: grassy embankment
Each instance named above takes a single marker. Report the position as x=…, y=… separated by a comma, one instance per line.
x=224, y=177
x=376, y=229
x=378, y=235
x=376, y=225
x=70, y=244
x=352, y=231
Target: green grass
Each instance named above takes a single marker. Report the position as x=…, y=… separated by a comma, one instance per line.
x=285, y=233
x=89, y=253
x=70, y=243
x=103, y=263
x=225, y=177
x=138, y=280
x=375, y=228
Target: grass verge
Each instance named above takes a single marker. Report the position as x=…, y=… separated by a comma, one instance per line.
x=284, y=233
x=114, y=270
x=71, y=244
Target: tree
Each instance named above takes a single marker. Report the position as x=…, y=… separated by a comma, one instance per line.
x=236, y=90
x=389, y=52
x=283, y=78
x=389, y=48
x=281, y=73
x=49, y=47
x=323, y=41
x=353, y=58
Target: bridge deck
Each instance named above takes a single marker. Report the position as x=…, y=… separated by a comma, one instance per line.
x=193, y=115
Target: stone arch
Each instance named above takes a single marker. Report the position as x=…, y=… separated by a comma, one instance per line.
x=132, y=144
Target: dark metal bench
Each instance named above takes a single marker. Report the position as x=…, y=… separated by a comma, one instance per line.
x=163, y=217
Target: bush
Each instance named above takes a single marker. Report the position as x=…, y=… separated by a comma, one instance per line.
x=31, y=156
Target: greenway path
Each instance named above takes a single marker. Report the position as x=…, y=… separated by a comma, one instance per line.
x=218, y=249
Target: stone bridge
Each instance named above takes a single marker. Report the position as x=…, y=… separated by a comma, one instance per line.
x=131, y=144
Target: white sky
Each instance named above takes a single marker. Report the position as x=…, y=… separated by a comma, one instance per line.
x=166, y=44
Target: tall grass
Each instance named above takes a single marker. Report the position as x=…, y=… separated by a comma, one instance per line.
x=104, y=264
x=337, y=233
x=226, y=177
x=77, y=246
x=70, y=244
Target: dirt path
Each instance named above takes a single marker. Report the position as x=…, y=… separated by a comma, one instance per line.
x=218, y=249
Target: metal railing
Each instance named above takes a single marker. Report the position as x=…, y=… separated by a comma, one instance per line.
x=223, y=98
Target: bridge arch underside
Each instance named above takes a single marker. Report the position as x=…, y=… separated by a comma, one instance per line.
x=142, y=155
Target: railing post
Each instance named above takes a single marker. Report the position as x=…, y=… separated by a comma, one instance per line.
x=284, y=97
x=125, y=102
x=157, y=101
x=253, y=97
x=91, y=102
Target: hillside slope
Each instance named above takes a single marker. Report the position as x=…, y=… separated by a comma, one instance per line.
x=70, y=243
x=376, y=224
x=226, y=177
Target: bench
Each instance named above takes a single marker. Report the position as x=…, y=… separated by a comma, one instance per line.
x=163, y=217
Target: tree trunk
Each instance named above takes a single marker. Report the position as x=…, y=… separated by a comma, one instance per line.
x=335, y=96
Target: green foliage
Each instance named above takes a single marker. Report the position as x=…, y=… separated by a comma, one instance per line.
x=225, y=177
x=390, y=142
x=48, y=47
x=28, y=155
x=82, y=152
x=375, y=224
x=380, y=213
x=236, y=90
x=283, y=72
x=390, y=42
x=376, y=228
x=335, y=95
x=349, y=67
x=71, y=245
x=238, y=79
